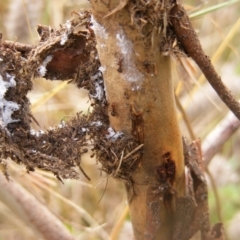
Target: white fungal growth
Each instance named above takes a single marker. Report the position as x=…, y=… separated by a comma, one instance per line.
x=84, y=129
x=96, y=76
x=105, y=91
x=41, y=132
x=64, y=38
x=124, y=44
x=135, y=88
x=99, y=92
x=130, y=72
x=36, y=133
x=68, y=25
x=97, y=124
x=62, y=124
x=42, y=69
x=1, y=59
x=102, y=45
x=113, y=135
x=98, y=86
x=33, y=132
x=98, y=29
x=7, y=107
x=102, y=69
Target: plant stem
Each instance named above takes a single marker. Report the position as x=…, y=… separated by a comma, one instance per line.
x=191, y=44
x=138, y=82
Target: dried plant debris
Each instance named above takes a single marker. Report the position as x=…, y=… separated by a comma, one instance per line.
x=69, y=53
x=148, y=14
x=15, y=82
x=152, y=17
x=24, y=49
x=194, y=205
x=118, y=154
x=64, y=54
x=57, y=150
x=3, y=168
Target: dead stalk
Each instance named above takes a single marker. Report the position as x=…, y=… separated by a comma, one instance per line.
x=28, y=209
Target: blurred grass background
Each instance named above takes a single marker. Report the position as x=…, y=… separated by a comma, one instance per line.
x=75, y=201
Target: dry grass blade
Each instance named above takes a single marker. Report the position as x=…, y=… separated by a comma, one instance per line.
x=211, y=9
x=117, y=227
x=46, y=96
x=83, y=213
x=232, y=33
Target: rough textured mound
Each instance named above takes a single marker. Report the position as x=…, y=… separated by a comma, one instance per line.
x=63, y=54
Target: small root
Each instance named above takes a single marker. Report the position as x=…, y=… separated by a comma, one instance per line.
x=122, y=4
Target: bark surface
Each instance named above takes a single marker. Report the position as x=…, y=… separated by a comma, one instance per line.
x=139, y=91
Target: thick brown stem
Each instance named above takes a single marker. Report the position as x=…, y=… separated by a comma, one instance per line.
x=191, y=44
x=139, y=86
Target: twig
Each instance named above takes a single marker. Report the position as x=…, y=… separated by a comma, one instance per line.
x=215, y=140
x=191, y=44
x=133, y=151
x=216, y=195
x=84, y=173
x=103, y=190
x=119, y=165
x=217, y=200
x=122, y=4
x=213, y=144
x=185, y=118
x=32, y=212
x=21, y=47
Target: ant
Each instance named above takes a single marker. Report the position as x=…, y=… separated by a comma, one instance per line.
x=113, y=109
x=120, y=63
